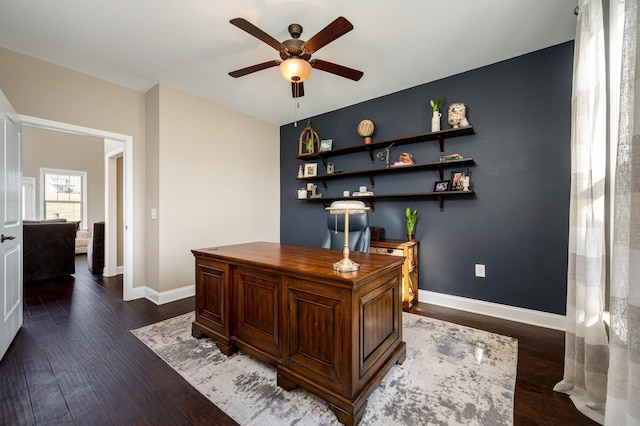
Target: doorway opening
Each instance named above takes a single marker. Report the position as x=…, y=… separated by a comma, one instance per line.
x=127, y=195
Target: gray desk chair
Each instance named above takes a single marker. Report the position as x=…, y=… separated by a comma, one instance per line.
x=359, y=232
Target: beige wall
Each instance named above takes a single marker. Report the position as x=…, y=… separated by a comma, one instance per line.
x=218, y=181
x=212, y=173
x=55, y=150
x=40, y=89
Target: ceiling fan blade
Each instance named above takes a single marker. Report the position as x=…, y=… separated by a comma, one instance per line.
x=297, y=89
x=336, y=69
x=254, y=68
x=336, y=29
x=247, y=26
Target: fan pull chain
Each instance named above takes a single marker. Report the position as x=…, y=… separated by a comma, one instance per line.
x=296, y=107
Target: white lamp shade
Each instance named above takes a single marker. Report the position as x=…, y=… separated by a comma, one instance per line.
x=295, y=70
x=352, y=206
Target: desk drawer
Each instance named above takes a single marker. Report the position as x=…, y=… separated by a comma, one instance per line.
x=382, y=250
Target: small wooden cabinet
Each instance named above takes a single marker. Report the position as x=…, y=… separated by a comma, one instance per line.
x=408, y=249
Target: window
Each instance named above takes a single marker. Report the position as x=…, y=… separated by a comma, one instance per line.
x=64, y=195
x=28, y=198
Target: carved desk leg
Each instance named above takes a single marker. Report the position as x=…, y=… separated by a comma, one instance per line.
x=225, y=345
x=195, y=332
x=346, y=418
x=285, y=383
x=402, y=358
x=228, y=350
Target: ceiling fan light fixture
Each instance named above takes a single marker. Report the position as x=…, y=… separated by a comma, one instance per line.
x=295, y=70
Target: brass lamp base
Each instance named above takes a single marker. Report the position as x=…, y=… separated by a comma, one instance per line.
x=346, y=265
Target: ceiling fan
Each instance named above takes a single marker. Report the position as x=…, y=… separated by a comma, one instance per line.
x=296, y=63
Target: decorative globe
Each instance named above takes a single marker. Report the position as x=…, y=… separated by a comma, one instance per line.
x=365, y=129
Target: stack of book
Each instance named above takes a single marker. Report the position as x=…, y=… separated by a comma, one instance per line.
x=450, y=157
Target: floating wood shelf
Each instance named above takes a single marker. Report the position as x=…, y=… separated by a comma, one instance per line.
x=371, y=199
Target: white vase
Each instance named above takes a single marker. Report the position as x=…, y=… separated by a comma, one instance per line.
x=435, y=121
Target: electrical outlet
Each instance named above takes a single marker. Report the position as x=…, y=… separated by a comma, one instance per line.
x=480, y=270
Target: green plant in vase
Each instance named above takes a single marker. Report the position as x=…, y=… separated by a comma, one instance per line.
x=412, y=218
x=437, y=106
x=435, y=120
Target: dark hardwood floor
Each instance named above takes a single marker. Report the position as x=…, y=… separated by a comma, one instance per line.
x=75, y=362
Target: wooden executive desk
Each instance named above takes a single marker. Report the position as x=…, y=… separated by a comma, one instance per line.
x=334, y=334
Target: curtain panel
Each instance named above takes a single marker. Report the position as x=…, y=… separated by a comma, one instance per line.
x=623, y=392
x=586, y=344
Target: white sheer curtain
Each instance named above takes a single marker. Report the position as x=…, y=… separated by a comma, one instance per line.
x=606, y=390
x=586, y=351
x=623, y=392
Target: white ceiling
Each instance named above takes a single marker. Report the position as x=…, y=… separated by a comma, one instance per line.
x=191, y=46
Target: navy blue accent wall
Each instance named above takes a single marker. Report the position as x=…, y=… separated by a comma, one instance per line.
x=516, y=223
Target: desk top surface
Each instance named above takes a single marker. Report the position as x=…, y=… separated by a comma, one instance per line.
x=302, y=260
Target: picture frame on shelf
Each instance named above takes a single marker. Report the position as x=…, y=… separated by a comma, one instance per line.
x=310, y=169
x=457, y=179
x=330, y=168
x=441, y=186
x=326, y=145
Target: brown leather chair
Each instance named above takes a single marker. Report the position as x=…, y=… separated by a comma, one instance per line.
x=48, y=249
x=95, y=249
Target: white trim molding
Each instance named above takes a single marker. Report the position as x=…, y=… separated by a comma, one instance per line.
x=137, y=292
x=511, y=313
x=160, y=298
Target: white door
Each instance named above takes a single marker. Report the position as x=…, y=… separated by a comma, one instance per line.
x=10, y=225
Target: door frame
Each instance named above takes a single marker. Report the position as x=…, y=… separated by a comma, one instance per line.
x=111, y=214
x=29, y=197
x=127, y=140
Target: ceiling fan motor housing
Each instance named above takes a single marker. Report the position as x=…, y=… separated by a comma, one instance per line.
x=295, y=30
x=293, y=47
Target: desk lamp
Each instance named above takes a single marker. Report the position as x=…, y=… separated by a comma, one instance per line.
x=346, y=208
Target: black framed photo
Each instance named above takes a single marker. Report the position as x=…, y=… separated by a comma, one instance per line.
x=457, y=179
x=441, y=186
x=310, y=169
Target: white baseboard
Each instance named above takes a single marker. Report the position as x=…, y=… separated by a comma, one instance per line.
x=511, y=313
x=160, y=298
x=136, y=293
x=112, y=273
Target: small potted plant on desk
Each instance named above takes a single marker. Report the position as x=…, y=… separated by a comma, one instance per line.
x=412, y=217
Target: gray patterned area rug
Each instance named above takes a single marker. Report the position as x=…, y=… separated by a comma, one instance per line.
x=453, y=375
